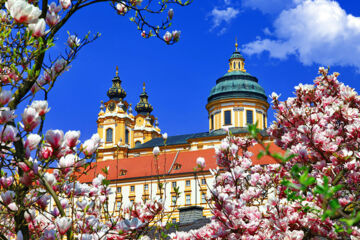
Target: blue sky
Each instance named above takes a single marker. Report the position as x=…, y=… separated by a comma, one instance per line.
x=283, y=42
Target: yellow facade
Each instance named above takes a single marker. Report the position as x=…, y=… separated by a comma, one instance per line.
x=128, y=133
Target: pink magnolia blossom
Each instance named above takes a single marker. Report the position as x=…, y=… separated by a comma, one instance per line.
x=9, y=134
x=6, y=182
x=7, y=197
x=13, y=207
x=41, y=107
x=67, y=161
x=38, y=28
x=46, y=152
x=50, y=178
x=65, y=4
x=156, y=151
x=73, y=41
x=72, y=138
x=22, y=11
x=32, y=141
x=63, y=224
x=121, y=8
x=55, y=138
x=167, y=37
x=176, y=35
x=200, y=161
x=60, y=66
x=5, y=97
x=52, y=19
x=91, y=145
x=30, y=118
x=54, y=8
x=6, y=115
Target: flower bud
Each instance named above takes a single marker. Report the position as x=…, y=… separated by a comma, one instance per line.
x=171, y=13
x=156, y=151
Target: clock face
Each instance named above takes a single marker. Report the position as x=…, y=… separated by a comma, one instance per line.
x=111, y=106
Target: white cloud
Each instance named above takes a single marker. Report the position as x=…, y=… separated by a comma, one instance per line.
x=270, y=6
x=316, y=31
x=222, y=16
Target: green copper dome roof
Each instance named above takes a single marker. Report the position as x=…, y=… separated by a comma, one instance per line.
x=237, y=84
x=236, y=54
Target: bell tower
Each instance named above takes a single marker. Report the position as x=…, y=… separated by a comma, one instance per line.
x=119, y=129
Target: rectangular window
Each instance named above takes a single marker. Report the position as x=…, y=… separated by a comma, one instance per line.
x=118, y=189
x=118, y=206
x=187, y=199
x=227, y=117
x=203, y=181
x=173, y=184
x=173, y=220
x=264, y=125
x=132, y=188
x=173, y=200
x=249, y=117
x=146, y=187
x=203, y=198
x=188, y=183
x=212, y=122
x=132, y=201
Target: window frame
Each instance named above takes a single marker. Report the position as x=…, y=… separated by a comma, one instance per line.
x=225, y=122
x=132, y=188
x=187, y=197
x=186, y=183
x=107, y=138
x=247, y=117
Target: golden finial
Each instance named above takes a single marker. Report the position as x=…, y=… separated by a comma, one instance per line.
x=144, y=86
x=236, y=44
x=117, y=71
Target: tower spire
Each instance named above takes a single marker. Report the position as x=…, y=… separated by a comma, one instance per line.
x=116, y=92
x=236, y=44
x=143, y=106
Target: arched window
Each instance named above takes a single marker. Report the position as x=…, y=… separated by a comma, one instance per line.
x=234, y=65
x=109, y=135
x=126, y=136
x=239, y=65
x=137, y=143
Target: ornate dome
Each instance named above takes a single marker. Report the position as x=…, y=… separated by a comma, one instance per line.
x=143, y=106
x=116, y=92
x=237, y=84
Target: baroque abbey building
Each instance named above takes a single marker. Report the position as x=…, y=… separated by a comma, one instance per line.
x=129, y=136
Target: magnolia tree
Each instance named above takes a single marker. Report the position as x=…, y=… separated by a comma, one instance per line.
x=41, y=197
x=313, y=191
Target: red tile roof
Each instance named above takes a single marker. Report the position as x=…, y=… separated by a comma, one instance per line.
x=147, y=166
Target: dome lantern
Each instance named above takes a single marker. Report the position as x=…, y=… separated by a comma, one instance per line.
x=236, y=61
